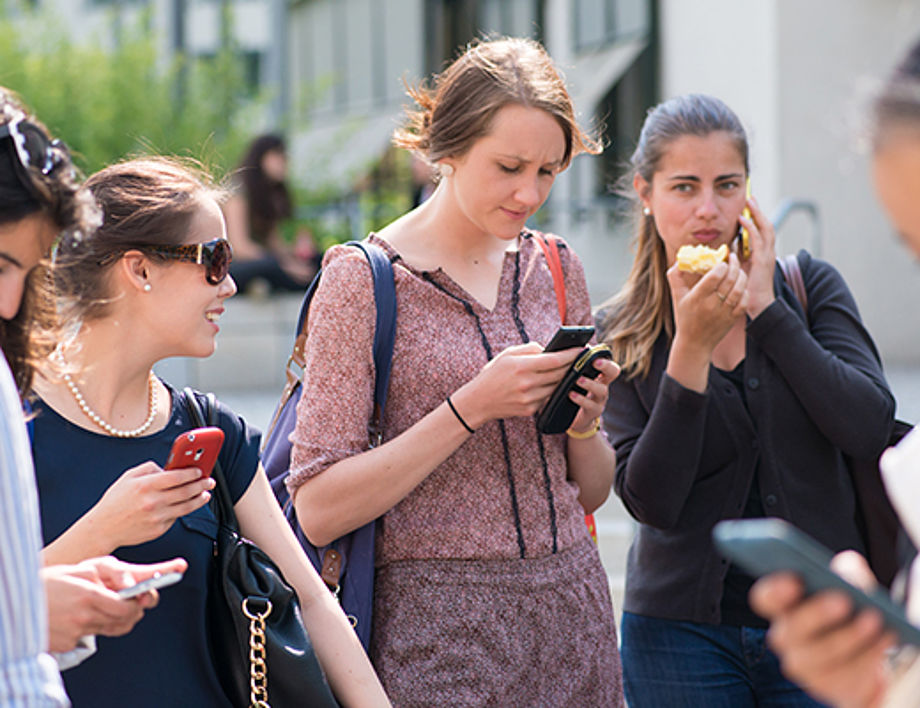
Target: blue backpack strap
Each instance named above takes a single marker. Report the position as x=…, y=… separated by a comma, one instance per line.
x=384, y=331
x=30, y=421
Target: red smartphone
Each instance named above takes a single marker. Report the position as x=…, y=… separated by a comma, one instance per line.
x=196, y=448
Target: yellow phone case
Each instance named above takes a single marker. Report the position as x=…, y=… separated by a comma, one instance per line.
x=745, y=236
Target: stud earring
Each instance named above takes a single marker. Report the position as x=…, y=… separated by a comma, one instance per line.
x=147, y=287
x=646, y=211
x=447, y=170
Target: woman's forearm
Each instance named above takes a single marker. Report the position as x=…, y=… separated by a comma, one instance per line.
x=82, y=540
x=363, y=487
x=591, y=464
x=344, y=661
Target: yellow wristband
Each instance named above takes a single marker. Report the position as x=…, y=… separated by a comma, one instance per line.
x=588, y=433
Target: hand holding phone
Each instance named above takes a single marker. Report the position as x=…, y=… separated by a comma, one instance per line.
x=763, y=546
x=744, y=250
x=196, y=448
x=155, y=581
x=557, y=414
x=567, y=337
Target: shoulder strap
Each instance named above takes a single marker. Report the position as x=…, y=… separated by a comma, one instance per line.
x=550, y=248
x=222, y=504
x=384, y=332
x=792, y=272
x=384, y=336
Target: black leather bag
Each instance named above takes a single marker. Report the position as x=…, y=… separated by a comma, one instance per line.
x=260, y=648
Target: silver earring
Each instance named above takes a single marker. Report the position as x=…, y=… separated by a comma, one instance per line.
x=147, y=287
x=447, y=170
x=647, y=211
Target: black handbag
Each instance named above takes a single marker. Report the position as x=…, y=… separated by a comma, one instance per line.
x=260, y=648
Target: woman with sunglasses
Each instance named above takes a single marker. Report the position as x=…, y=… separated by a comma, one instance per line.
x=40, y=198
x=151, y=283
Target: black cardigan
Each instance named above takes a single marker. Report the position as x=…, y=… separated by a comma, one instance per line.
x=685, y=460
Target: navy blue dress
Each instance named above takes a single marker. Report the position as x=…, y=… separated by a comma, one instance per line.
x=164, y=660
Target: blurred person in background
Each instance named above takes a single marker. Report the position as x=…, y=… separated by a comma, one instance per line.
x=254, y=214
x=839, y=655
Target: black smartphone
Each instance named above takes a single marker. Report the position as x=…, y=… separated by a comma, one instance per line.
x=763, y=546
x=559, y=411
x=567, y=337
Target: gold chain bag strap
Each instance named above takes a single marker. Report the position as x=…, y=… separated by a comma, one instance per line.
x=259, y=646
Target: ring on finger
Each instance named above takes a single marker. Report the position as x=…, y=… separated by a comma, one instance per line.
x=721, y=296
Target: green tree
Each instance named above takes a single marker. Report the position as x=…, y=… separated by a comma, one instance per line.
x=124, y=100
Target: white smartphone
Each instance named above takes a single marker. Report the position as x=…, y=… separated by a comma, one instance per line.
x=763, y=546
x=160, y=580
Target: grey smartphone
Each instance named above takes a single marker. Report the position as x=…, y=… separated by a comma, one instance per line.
x=160, y=580
x=567, y=337
x=763, y=546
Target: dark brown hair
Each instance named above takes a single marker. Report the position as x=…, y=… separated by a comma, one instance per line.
x=488, y=76
x=898, y=103
x=633, y=319
x=268, y=201
x=145, y=202
x=32, y=334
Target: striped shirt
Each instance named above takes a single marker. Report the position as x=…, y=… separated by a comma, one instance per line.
x=28, y=675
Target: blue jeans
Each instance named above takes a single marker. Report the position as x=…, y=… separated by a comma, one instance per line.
x=668, y=664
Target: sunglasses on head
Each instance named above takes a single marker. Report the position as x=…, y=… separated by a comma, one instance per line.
x=214, y=255
x=34, y=150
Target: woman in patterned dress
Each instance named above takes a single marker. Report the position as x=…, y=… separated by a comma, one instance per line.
x=489, y=590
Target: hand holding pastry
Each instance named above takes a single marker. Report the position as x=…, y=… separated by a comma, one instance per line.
x=704, y=312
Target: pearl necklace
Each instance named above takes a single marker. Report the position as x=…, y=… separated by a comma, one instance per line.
x=111, y=429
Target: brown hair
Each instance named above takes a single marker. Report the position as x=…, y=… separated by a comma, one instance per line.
x=633, y=319
x=32, y=334
x=488, y=76
x=145, y=202
x=898, y=103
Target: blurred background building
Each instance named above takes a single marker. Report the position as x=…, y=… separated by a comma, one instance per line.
x=331, y=73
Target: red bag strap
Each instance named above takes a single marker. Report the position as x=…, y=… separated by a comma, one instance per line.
x=550, y=248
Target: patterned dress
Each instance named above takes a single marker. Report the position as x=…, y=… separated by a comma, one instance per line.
x=489, y=590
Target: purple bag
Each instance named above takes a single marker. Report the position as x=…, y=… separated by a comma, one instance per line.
x=347, y=564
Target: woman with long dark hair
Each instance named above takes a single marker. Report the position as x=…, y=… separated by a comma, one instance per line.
x=255, y=212
x=733, y=402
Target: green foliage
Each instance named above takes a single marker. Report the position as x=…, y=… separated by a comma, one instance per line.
x=115, y=96
x=124, y=100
